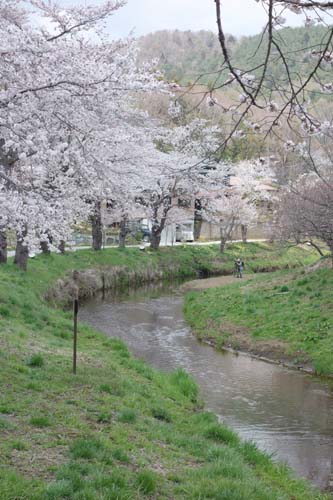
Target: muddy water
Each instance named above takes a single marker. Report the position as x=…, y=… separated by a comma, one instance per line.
x=287, y=413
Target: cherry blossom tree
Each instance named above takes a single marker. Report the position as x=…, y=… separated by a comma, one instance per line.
x=228, y=210
x=64, y=98
x=178, y=171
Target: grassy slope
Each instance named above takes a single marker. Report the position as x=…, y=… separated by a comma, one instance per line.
x=118, y=429
x=295, y=308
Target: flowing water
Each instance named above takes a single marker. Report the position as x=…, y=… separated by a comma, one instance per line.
x=287, y=413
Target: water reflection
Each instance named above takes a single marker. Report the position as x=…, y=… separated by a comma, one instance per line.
x=287, y=413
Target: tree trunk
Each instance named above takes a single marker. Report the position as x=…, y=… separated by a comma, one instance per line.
x=317, y=248
x=197, y=220
x=96, y=226
x=155, y=238
x=3, y=247
x=61, y=246
x=244, y=230
x=223, y=242
x=21, y=251
x=197, y=228
x=330, y=245
x=45, y=247
x=122, y=234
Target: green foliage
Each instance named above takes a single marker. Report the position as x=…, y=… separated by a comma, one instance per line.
x=147, y=482
x=161, y=414
x=127, y=416
x=185, y=55
x=36, y=361
x=40, y=421
x=284, y=306
x=185, y=383
x=86, y=448
x=219, y=432
x=246, y=54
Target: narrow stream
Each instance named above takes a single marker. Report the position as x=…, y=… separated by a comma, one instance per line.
x=287, y=413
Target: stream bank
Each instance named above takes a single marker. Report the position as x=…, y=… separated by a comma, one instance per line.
x=118, y=427
x=286, y=413
x=285, y=317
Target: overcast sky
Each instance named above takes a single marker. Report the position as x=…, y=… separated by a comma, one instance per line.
x=241, y=17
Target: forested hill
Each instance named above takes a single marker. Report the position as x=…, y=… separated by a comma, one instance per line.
x=183, y=55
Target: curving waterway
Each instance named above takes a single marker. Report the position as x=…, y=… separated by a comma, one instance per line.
x=287, y=413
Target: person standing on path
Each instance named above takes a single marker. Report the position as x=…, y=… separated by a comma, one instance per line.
x=240, y=268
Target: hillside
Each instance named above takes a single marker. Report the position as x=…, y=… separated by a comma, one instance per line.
x=184, y=55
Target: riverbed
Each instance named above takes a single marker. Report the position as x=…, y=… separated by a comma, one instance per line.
x=286, y=413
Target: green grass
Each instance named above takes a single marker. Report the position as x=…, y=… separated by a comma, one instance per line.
x=118, y=429
x=294, y=308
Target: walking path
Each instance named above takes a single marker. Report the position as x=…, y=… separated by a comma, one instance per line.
x=204, y=284
x=11, y=253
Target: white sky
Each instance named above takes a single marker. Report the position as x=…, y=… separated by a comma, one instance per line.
x=241, y=17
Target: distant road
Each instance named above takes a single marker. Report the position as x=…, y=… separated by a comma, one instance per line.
x=11, y=253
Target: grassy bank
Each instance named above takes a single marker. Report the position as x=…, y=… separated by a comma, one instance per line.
x=119, y=429
x=285, y=315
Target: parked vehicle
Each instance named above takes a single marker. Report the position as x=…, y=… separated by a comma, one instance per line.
x=185, y=231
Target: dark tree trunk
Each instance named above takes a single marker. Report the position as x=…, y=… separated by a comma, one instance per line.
x=61, y=246
x=21, y=251
x=244, y=230
x=155, y=239
x=3, y=247
x=156, y=233
x=44, y=245
x=122, y=234
x=197, y=220
x=157, y=227
x=96, y=226
x=223, y=242
x=197, y=228
x=321, y=253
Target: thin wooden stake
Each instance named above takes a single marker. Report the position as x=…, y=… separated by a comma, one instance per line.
x=75, y=310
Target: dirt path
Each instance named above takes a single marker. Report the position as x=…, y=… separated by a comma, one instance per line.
x=204, y=284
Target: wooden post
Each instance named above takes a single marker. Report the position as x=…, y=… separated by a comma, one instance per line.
x=103, y=284
x=76, y=310
x=75, y=314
